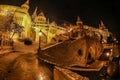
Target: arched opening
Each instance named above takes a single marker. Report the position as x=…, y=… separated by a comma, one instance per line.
x=44, y=37
x=80, y=52
x=89, y=58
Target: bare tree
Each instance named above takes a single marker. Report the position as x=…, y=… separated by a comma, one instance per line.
x=16, y=28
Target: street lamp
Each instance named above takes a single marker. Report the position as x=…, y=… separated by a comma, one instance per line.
x=39, y=47
x=47, y=34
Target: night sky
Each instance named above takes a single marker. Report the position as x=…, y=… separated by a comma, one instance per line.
x=90, y=11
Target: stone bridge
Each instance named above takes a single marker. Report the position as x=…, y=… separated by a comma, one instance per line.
x=72, y=52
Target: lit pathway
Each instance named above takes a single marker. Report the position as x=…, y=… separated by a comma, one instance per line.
x=20, y=66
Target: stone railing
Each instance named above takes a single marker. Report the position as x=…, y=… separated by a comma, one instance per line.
x=6, y=44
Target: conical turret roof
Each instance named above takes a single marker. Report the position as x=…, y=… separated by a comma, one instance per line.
x=25, y=5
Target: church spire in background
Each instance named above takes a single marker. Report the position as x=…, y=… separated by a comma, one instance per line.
x=27, y=1
x=34, y=13
x=48, y=21
x=79, y=21
x=41, y=14
x=25, y=5
x=101, y=25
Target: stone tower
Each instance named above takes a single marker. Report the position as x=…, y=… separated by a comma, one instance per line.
x=25, y=6
x=101, y=25
x=79, y=22
x=105, y=33
x=22, y=17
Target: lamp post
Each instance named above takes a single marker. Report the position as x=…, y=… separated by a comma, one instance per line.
x=39, y=46
x=69, y=33
x=47, y=35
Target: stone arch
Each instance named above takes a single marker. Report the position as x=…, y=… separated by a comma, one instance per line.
x=32, y=34
x=44, y=37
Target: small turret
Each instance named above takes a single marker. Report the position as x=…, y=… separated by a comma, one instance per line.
x=79, y=21
x=101, y=25
x=48, y=21
x=40, y=18
x=41, y=14
x=34, y=13
x=25, y=5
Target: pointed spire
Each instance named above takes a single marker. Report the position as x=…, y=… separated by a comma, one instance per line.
x=41, y=14
x=27, y=2
x=48, y=22
x=101, y=25
x=79, y=21
x=101, y=22
x=34, y=13
x=54, y=23
x=78, y=18
x=25, y=5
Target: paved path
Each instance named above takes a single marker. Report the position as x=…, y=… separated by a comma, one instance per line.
x=20, y=66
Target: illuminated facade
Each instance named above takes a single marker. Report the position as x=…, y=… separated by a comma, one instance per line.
x=100, y=31
x=33, y=24
x=18, y=15
x=49, y=30
x=13, y=14
x=75, y=30
x=22, y=17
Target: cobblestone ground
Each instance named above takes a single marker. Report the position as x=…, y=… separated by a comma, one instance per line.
x=20, y=66
x=17, y=66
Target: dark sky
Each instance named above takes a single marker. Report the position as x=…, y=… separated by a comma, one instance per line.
x=90, y=11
